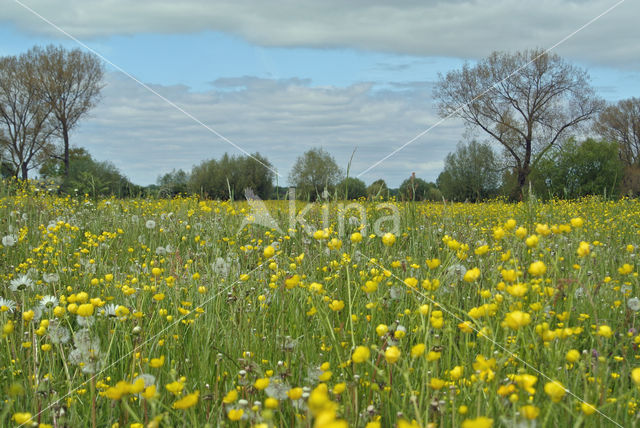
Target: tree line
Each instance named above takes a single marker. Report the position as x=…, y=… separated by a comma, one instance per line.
x=537, y=123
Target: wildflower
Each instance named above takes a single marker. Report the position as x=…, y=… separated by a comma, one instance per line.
x=604, y=331
x=21, y=418
x=577, y=222
x=624, y=270
x=456, y=373
x=360, y=354
x=392, y=354
x=516, y=319
x=583, y=249
x=28, y=315
x=175, y=387
x=435, y=383
x=7, y=305
x=150, y=224
x=149, y=392
x=356, y=237
x=157, y=362
x=537, y=268
x=573, y=356
x=268, y=252
x=8, y=328
x=555, y=390
x=433, y=356
x=85, y=310
x=479, y=422
x=336, y=305
x=187, y=401
x=21, y=283
x=381, y=330
x=388, y=239
x=433, y=263
x=529, y=411
x=9, y=241
x=471, y=275
x=231, y=397
x=339, y=388
x=295, y=393
x=532, y=241
x=261, y=383
x=587, y=409
x=411, y=282
x=235, y=414
x=418, y=350
x=634, y=304
x=271, y=403
x=48, y=302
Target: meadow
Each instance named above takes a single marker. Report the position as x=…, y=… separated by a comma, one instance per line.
x=171, y=312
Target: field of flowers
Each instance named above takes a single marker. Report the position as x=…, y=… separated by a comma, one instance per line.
x=179, y=313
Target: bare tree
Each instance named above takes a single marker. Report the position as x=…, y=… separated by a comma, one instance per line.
x=527, y=101
x=26, y=119
x=70, y=82
x=620, y=123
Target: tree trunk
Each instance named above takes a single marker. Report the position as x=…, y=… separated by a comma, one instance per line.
x=518, y=191
x=25, y=170
x=65, y=137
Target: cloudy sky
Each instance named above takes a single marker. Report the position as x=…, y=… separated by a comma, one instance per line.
x=279, y=77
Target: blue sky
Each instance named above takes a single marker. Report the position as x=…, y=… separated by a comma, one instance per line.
x=280, y=83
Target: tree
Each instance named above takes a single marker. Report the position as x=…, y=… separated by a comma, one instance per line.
x=621, y=123
x=351, y=188
x=313, y=172
x=416, y=189
x=578, y=169
x=377, y=189
x=70, y=83
x=228, y=177
x=527, y=101
x=470, y=173
x=174, y=183
x=27, y=123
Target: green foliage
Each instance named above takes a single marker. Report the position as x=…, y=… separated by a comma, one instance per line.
x=351, y=188
x=228, y=177
x=313, y=172
x=173, y=183
x=377, y=189
x=416, y=189
x=88, y=176
x=470, y=173
x=588, y=168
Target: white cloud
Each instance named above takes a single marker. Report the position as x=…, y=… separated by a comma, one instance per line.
x=145, y=137
x=467, y=29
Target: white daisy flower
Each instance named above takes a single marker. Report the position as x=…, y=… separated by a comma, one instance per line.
x=7, y=305
x=48, y=302
x=21, y=283
x=108, y=311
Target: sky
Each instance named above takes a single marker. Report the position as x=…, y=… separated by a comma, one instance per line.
x=188, y=81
